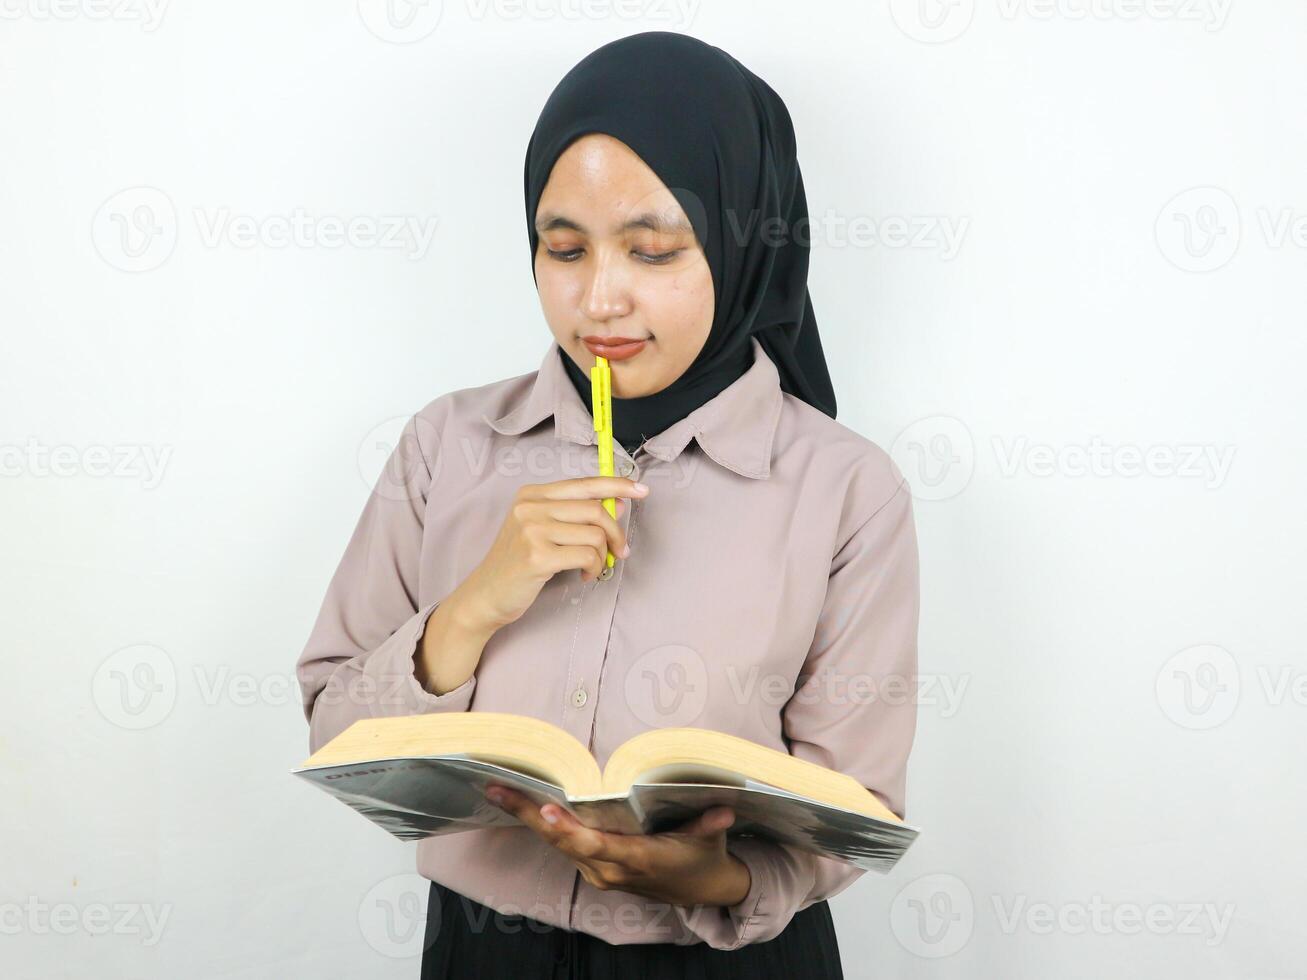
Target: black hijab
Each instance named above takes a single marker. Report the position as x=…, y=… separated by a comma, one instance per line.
x=721, y=141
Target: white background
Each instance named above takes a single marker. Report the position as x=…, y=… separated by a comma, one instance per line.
x=1105, y=206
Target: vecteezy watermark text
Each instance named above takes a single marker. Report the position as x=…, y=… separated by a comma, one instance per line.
x=1098, y=458
x=137, y=230
x=940, y=21
x=38, y=918
x=147, y=13
x=940, y=233
x=408, y=234
x=143, y=462
x=409, y=21
x=939, y=456
x=934, y=916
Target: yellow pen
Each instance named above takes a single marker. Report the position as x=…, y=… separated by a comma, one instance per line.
x=601, y=397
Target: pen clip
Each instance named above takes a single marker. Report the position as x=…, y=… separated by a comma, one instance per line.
x=600, y=395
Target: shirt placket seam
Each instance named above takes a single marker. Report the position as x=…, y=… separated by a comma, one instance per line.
x=562, y=723
x=608, y=637
x=571, y=653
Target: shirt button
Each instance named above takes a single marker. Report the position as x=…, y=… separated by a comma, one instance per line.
x=579, y=697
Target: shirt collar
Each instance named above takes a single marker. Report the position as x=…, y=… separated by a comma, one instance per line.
x=735, y=428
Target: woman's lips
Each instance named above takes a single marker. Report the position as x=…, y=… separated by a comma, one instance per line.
x=615, y=352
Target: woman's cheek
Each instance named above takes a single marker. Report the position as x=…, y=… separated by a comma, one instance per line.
x=687, y=300
x=555, y=287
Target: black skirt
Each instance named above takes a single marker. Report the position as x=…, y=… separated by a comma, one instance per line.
x=515, y=947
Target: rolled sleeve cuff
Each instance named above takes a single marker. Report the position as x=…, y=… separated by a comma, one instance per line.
x=779, y=879
x=391, y=673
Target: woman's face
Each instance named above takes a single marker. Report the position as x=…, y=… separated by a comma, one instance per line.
x=618, y=259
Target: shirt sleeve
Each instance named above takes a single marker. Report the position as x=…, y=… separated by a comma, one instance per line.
x=854, y=710
x=358, y=662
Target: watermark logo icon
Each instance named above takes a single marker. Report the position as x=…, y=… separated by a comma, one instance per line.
x=1199, y=230
x=932, y=21
x=667, y=686
x=393, y=915
x=933, y=916
x=135, y=687
x=1199, y=687
x=135, y=230
x=937, y=455
x=392, y=457
x=401, y=21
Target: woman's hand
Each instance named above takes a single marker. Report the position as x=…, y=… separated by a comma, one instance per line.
x=549, y=528
x=686, y=866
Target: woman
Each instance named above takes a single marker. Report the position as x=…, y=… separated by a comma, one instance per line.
x=766, y=581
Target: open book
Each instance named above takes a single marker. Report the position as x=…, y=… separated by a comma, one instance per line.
x=424, y=775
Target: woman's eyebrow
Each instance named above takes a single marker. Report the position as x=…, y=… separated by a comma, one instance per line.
x=650, y=220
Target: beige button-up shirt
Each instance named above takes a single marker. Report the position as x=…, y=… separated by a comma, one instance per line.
x=771, y=592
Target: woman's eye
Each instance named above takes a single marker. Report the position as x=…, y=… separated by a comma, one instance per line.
x=650, y=258
x=659, y=258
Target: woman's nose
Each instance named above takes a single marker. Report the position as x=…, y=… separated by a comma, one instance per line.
x=607, y=294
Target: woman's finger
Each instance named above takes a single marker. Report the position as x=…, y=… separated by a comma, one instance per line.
x=614, y=857
x=518, y=804
x=569, y=515
x=595, y=846
x=527, y=811
x=600, y=541
x=713, y=820
x=588, y=488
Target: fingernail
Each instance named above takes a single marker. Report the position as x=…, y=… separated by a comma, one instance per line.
x=549, y=815
x=641, y=488
x=495, y=796
x=626, y=550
